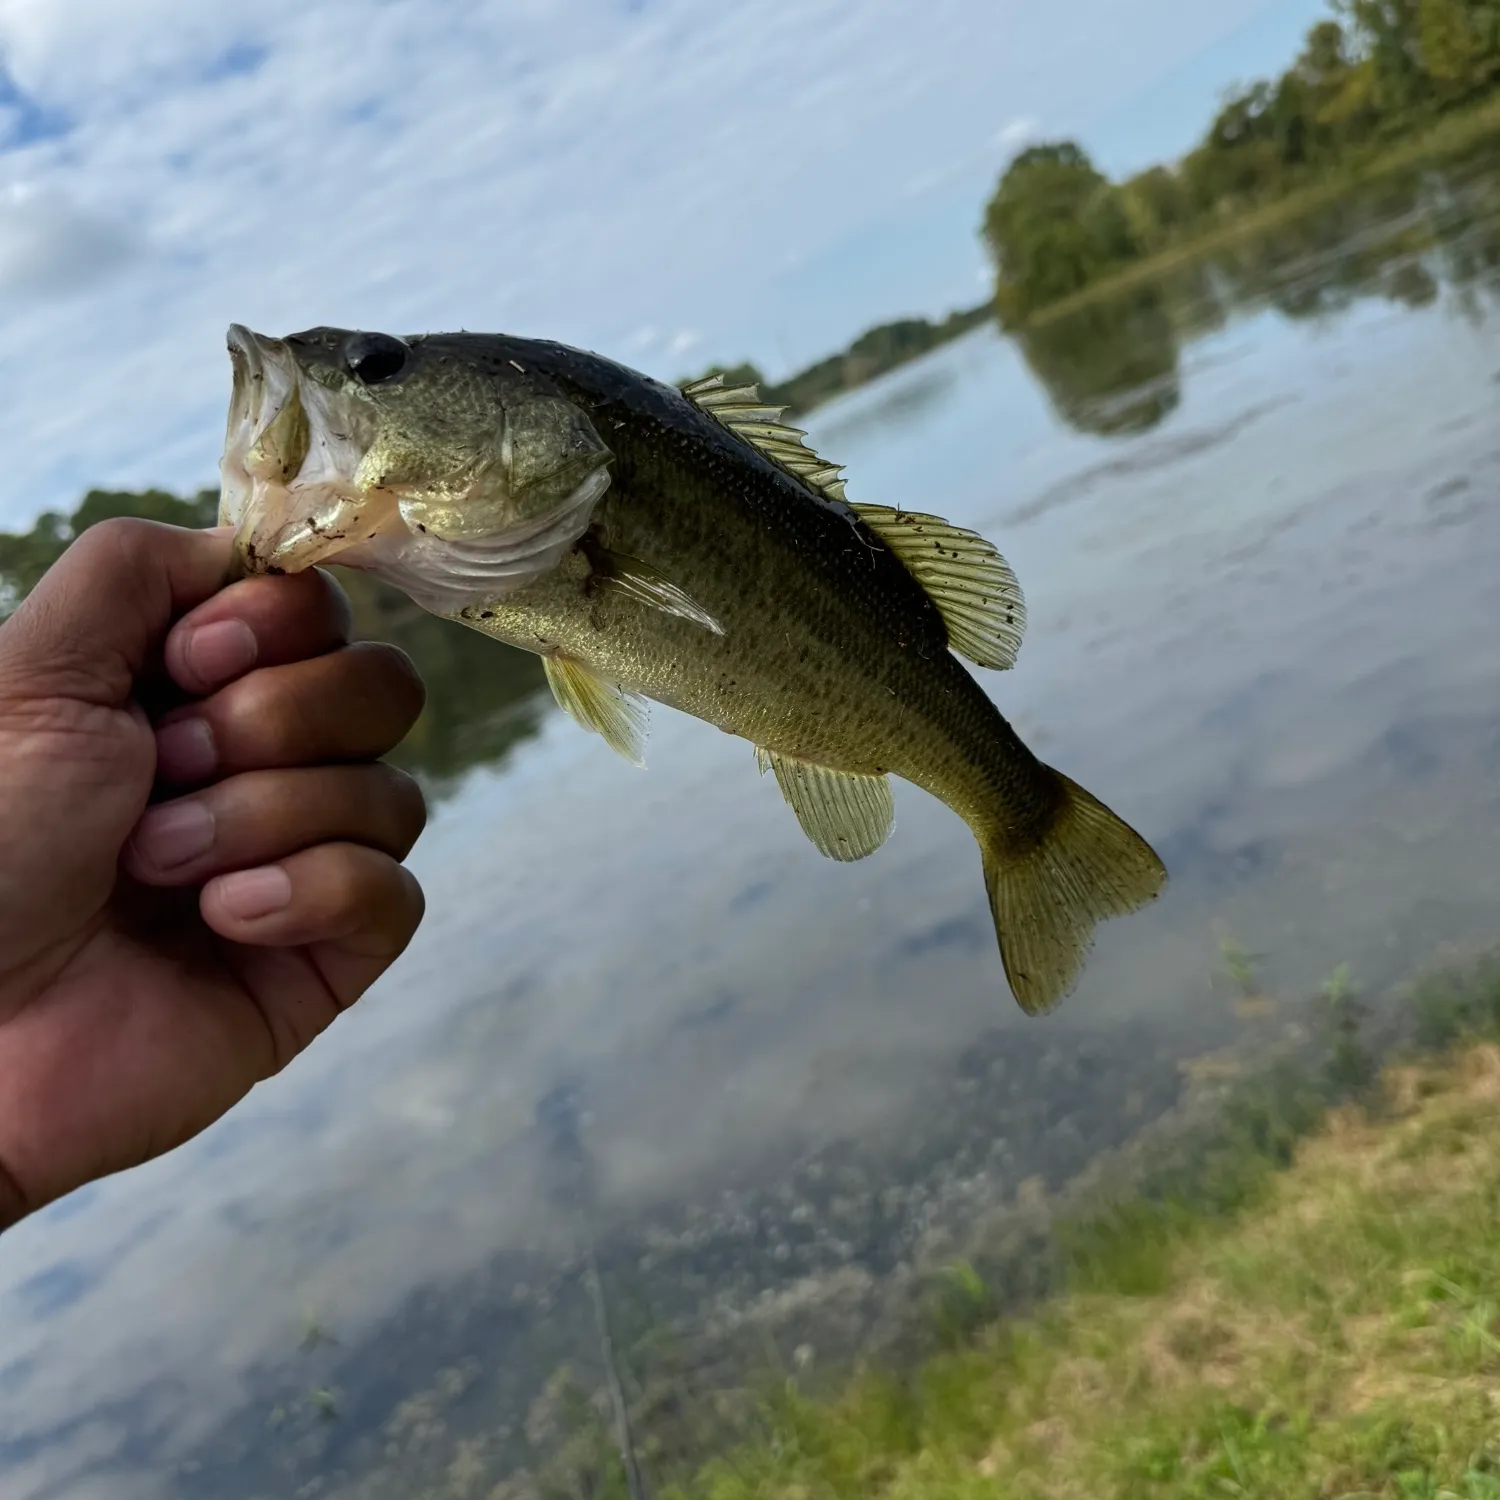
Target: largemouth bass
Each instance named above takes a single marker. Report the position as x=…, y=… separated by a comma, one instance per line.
x=682, y=545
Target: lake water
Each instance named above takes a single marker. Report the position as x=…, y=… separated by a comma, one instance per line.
x=1254, y=512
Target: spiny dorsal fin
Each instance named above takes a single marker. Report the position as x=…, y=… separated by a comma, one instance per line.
x=739, y=409
x=972, y=585
x=600, y=705
x=847, y=816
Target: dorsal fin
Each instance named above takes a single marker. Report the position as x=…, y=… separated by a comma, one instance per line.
x=739, y=409
x=972, y=585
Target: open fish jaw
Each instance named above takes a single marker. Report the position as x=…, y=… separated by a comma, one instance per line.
x=291, y=450
x=290, y=480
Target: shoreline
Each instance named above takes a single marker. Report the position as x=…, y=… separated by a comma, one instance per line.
x=1246, y=1310
x=1448, y=133
x=754, y=1364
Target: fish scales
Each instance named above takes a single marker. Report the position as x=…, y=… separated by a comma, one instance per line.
x=831, y=651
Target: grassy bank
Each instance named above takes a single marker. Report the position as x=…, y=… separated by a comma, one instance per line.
x=1448, y=134
x=1326, y=1328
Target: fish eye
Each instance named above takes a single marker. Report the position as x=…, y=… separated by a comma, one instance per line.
x=374, y=357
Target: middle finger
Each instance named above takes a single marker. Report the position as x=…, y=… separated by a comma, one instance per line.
x=265, y=816
x=353, y=704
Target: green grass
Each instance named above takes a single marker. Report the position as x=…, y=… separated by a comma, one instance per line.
x=1448, y=134
x=1303, y=1303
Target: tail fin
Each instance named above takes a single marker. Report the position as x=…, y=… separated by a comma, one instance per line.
x=1047, y=900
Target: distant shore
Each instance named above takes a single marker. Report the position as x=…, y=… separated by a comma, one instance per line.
x=1450, y=133
x=888, y=346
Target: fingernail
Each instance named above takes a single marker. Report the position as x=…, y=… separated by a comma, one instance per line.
x=255, y=893
x=174, y=833
x=185, y=750
x=221, y=651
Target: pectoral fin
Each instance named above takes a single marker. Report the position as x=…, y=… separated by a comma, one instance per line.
x=646, y=585
x=847, y=816
x=600, y=705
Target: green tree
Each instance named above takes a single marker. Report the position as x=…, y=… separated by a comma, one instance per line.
x=1157, y=207
x=1055, y=224
x=1340, y=86
x=1243, y=156
x=25, y=556
x=1324, y=61
x=1452, y=48
x=1387, y=33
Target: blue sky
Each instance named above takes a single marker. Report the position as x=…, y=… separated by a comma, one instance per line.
x=665, y=180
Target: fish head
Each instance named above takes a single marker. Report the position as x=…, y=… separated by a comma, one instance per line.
x=431, y=462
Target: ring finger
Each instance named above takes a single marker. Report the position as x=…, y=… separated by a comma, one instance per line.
x=262, y=816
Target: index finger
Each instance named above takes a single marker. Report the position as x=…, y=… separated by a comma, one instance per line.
x=262, y=621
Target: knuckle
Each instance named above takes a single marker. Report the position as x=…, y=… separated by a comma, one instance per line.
x=400, y=681
x=408, y=905
x=125, y=545
x=407, y=803
x=119, y=545
x=260, y=719
x=259, y=804
x=336, y=601
x=115, y=534
x=346, y=875
x=371, y=896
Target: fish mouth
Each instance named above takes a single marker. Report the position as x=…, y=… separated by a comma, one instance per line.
x=291, y=451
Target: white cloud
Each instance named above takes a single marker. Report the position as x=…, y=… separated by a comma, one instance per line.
x=574, y=170
x=49, y=247
x=1018, y=132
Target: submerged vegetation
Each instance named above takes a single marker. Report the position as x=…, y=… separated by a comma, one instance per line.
x=1296, y=1299
x=1337, y=1337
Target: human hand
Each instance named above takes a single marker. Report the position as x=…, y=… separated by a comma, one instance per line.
x=156, y=962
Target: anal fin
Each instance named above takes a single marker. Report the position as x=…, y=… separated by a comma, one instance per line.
x=847, y=816
x=599, y=705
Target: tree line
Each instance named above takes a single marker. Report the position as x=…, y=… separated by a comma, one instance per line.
x=872, y=354
x=1375, y=70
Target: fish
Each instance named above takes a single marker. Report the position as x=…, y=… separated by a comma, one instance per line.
x=683, y=545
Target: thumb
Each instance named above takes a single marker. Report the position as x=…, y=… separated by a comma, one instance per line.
x=102, y=610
